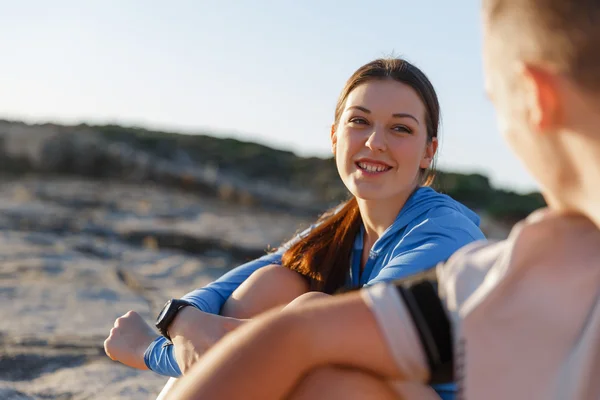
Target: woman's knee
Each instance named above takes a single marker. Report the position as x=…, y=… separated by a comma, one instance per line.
x=277, y=277
x=279, y=273
x=267, y=287
x=305, y=298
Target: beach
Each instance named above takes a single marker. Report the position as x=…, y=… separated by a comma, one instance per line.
x=76, y=254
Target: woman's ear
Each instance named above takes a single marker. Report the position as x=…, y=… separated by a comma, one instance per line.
x=430, y=149
x=333, y=138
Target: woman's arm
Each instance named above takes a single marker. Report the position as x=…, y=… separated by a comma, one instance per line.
x=265, y=358
x=147, y=351
x=213, y=296
x=160, y=356
x=193, y=332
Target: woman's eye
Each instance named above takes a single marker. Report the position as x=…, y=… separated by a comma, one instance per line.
x=358, y=120
x=402, y=129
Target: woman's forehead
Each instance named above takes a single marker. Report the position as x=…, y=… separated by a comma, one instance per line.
x=386, y=96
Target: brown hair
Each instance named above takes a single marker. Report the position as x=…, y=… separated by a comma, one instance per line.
x=562, y=33
x=323, y=256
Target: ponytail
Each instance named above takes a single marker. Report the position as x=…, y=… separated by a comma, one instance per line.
x=323, y=256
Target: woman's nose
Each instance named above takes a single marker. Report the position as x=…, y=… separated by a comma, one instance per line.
x=376, y=140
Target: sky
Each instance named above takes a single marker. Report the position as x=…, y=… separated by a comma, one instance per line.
x=266, y=70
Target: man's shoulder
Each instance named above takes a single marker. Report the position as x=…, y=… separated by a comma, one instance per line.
x=480, y=254
x=466, y=270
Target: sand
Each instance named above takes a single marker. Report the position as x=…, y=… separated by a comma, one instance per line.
x=77, y=254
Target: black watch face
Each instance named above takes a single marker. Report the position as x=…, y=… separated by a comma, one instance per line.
x=164, y=311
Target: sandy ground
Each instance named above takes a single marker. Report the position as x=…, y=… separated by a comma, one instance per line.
x=76, y=254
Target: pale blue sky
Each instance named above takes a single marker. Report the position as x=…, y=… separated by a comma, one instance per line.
x=264, y=70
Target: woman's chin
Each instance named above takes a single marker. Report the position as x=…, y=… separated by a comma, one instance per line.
x=375, y=193
x=366, y=190
x=370, y=195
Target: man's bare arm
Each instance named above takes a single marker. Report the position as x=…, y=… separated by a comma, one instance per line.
x=265, y=358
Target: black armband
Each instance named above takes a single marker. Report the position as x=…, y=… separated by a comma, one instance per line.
x=433, y=326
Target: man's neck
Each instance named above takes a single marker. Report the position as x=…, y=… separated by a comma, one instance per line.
x=583, y=194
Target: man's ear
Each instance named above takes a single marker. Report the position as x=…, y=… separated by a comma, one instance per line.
x=541, y=89
x=333, y=138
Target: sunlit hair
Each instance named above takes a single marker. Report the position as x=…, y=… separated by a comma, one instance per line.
x=563, y=34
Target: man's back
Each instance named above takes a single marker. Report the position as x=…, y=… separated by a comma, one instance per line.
x=526, y=312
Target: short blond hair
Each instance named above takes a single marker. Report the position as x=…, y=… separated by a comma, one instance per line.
x=564, y=34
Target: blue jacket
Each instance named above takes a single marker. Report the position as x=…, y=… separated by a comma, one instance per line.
x=429, y=229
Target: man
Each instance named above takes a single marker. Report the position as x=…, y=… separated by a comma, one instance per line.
x=519, y=319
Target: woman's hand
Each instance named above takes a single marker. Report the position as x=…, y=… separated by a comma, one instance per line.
x=129, y=339
x=193, y=332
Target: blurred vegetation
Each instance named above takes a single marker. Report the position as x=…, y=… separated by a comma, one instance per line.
x=88, y=150
x=255, y=161
x=475, y=191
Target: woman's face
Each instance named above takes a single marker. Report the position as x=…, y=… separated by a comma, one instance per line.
x=380, y=141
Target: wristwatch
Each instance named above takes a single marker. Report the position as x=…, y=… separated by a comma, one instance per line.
x=168, y=314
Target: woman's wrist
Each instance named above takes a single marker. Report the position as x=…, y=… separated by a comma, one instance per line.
x=181, y=321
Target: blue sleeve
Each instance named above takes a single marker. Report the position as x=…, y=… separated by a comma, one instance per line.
x=159, y=356
x=426, y=245
x=212, y=297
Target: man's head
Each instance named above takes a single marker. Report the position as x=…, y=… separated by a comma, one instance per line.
x=542, y=65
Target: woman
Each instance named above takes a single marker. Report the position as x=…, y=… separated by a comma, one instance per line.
x=384, y=138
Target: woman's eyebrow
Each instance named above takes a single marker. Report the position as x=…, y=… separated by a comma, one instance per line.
x=396, y=115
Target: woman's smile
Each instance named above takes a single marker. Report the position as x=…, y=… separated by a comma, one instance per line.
x=371, y=168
